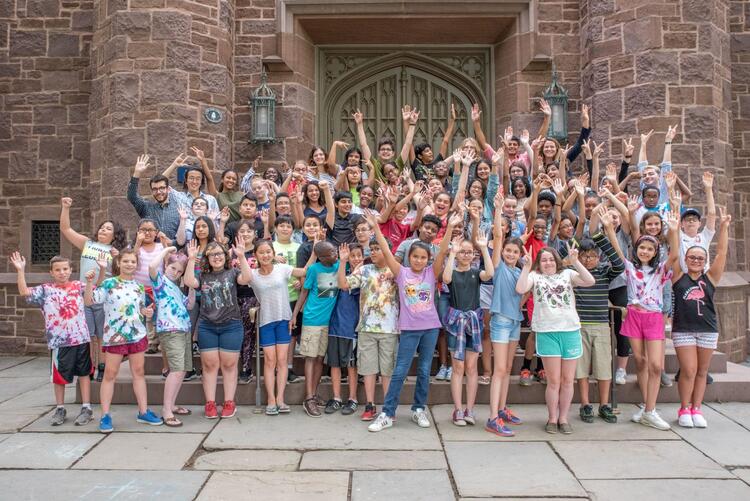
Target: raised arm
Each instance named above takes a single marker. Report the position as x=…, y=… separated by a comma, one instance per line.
x=708, y=187
x=525, y=283
x=19, y=263
x=361, y=136
x=720, y=261
x=642, y=152
x=141, y=165
x=330, y=205
x=598, y=150
x=583, y=277
x=448, y=137
x=439, y=261
x=239, y=246
x=476, y=114
x=489, y=267
x=189, y=278
x=390, y=261
x=155, y=264
x=635, y=231
x=334, y=150
x=210, y=183
x=179, y=160
x=447, y=274
x=75, y=238
x=545, y=107
x=673, y=220
x=498, y=230
x=341, y=272
x=409, y=139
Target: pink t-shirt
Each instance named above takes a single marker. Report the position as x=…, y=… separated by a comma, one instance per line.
x=144, y=260
x=417, y=300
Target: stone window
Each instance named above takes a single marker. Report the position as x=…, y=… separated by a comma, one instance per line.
x=45, y=241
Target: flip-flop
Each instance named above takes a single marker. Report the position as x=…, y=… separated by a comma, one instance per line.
x=284, y=409
x=182, y=411
x=172, y=422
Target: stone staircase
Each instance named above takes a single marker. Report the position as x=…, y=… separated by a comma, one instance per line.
x=731, y=383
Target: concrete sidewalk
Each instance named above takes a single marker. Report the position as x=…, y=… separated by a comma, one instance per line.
x=335, y=458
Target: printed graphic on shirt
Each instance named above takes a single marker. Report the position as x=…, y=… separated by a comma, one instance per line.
x=218, y=293
x=418, y=296
x=327, y=285
x=697, y=295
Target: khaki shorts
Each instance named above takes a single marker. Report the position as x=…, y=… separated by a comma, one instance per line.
x=313, y=341
x=376, y=353
x=597, y=352
x=178, y=348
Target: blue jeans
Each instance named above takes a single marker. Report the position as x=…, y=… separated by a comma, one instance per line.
x=410, y=342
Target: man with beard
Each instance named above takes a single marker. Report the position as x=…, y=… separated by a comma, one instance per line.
x=164, y=208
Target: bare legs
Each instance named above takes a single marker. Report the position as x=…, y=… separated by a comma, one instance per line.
x=504, y=354
x=694, y=363
x=649, y=360
x=559, y=392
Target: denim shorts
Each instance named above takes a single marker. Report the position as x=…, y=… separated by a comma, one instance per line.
x=223, y=337
x=275, y=333
x=452, y=342
x=566, y=345
x=504, y=329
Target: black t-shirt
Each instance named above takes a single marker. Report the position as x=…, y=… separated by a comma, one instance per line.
x=246, y=290
x=343, y=230
x=464, y=288
x=694, y=309
x=303, y=253
x=421, y=171
x=219, y=296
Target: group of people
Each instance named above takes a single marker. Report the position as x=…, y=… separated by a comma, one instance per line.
x=390, y=254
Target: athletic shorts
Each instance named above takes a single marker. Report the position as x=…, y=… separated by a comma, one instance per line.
x=376, y=353
x=95, y=320
x=178, y=348
x=707, y=340
x=127, y=349
x=313, y=341
x=646, y=325
x=565, y=345
x=275, y=333
x=71, y=361
x=504, y=329
x=225, y=337
x=597, y=352
x=341, y=352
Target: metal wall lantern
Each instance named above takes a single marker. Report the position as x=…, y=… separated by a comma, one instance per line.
x=557, y=98
x=263, y=103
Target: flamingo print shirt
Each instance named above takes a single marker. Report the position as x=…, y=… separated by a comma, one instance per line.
x=62, y=307
x=122, y=300
x=554, y=302
x=646, y=284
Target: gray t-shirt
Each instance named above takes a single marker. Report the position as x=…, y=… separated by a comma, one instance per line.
x=90, y=254
x=219, y=296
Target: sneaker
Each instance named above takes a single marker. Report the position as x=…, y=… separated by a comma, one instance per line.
x=441, y=373
x=311, y=407
x=685, y=418
x=587, y=413
x=381, y=423
x=709, y=379
x=100, y=373
x=525, y=377
x=291, y=377
x=698, y=420
x=484, y=380
x=507, y=416
x=677, y=376
x=59, y=417
x=620, y=376
x=565, y=428
x=551, y=428
x=419, y=416
x=84, y=417
x=541, y=376
x=349, y=408
x=497, y=426
x=164, y=373
x=152, y=350
x=196, y=349
x=449, y=374
x=229, y=409
x=149, y=417
x=319, y=400
x=105, y=424
x=370, y=412
x=636, y=418
x=210, y=410
x=666, y=381
x=333, y=405
x=189, y=375
x=607, y=414
x=244, y=376
x=458, y=418
x=272, y=410
x=654, y=420
x=469, y=417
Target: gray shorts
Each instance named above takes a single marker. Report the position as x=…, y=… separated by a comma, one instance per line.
x=95, y=320
x=485, y=296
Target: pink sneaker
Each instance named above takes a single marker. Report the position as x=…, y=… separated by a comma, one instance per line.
x=685, y=417
x=698, y=420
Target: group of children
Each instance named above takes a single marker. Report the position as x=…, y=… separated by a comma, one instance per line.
x=367, y=264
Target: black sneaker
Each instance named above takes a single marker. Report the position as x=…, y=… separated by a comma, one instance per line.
x=291, y=377
x=677, y=376
x=606, y=413
x=100, y=373
x=333, y=405
x=709, y=379
x=244, y=376
x=189, y=375
x=164, y=373
x=349, y=408
x=587, y=413
x=196, y=350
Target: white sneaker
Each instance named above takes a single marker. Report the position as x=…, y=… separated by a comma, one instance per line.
x=654, y=420
x=620, y=376
x=698, y=420
x=684, y=418
x=381, y=422
x=440, y=376
x=419, y=416
x=639, y=414
x=449, y=374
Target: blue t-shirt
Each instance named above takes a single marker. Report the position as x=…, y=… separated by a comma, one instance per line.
x=171, y=306
x=345, y=315
x=323, y=286
x=505, y=300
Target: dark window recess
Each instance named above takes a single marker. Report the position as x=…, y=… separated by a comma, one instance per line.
x=45, y=241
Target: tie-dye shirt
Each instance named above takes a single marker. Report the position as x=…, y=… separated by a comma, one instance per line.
x=378, y=300
x=62, y=307
x=171, y=306
x=122, y=300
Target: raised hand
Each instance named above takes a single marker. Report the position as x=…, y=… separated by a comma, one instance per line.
x=671, y=179
x=536, y=143
x=498, y=157
x=525, y=136
x=598, y=149
x=179, y=159
x=224, y=215
x=724, y=217
x=527, y=261
x=457, y=155
x=476, y=113
x=474, y=214
x=481, y=239
x=508, y=134
x=371, y=218
x=344, y=252
x=558, y=187
x=572, y=252
x=499, y=199
x=604, y=193
x=141, y=165
x=633, y=203
x=455, y=219
x=239, y=244
x=101, y=260
x=671, y=133
x=90, y=275
x=414, y=117
x=645, y=137
x=545, y=107
x=611, y=172
x=605, y=217
x=358, y=117
x=585, y=147
x=708, y=180
x=18, y=261
x=406, y=112
x=264, y=216
x=627, y=147
x=468, y=157
x=66, y=202
x=579, y=187
x=198, y=153
x=456, y=243
x=584, y=113
x=192, y=249
x=672, y=220
x=213, y=214
x=170, y=250
x=324, y=185
x=183, y=211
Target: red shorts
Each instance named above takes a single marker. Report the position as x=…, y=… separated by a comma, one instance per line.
x=646, y=325
x=127, y=349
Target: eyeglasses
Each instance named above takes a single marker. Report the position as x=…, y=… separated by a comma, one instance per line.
x=588, y=256
x=386, y=149
x=539, y=227
x=148, y=230
x=215, y=254
x=159, y=188
x=696, y=259
x=466, y=252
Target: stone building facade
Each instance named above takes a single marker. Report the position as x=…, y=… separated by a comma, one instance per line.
x=86, y=86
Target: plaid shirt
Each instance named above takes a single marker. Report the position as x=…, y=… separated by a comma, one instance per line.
x=462, y=323
x=166, y=215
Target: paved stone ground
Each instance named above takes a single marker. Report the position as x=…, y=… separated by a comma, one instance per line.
x=334, y=458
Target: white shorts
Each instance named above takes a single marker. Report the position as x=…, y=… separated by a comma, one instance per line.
x=707, y=340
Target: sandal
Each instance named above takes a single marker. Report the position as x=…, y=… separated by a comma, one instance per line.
x=172, y=422
x=484, y=380
x=272, y=410
x=284, y=409
x=182, y=411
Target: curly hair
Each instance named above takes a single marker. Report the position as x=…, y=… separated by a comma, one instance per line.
x=205, y=266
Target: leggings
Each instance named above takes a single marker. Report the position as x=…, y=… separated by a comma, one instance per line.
x=248, y=326
x=619, y=297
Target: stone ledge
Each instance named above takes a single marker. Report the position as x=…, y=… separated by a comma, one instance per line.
x=31, y=278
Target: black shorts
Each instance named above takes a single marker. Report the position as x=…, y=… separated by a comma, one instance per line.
x=341, y=352
x=71, y=361
x=298, y=329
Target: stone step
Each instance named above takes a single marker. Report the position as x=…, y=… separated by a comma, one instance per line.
x=732, y=385
x=718, y=365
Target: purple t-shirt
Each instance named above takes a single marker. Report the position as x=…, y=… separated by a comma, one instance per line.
x=417, y=298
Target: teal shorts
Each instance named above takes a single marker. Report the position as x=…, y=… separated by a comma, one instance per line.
x=566, y=345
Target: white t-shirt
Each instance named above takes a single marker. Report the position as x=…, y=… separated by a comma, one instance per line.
x=554, y=302
x=273, y=293
x=702, y=239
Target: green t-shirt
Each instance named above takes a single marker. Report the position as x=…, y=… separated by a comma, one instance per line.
x=232, y=200
x=289, y=252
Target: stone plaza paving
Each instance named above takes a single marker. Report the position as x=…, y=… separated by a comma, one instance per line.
x=293, y=457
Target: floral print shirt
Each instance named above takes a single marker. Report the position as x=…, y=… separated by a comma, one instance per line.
x=122, y=300
x=378, y=300
x=64, y=318
x=646, y=285
x=554, y=302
